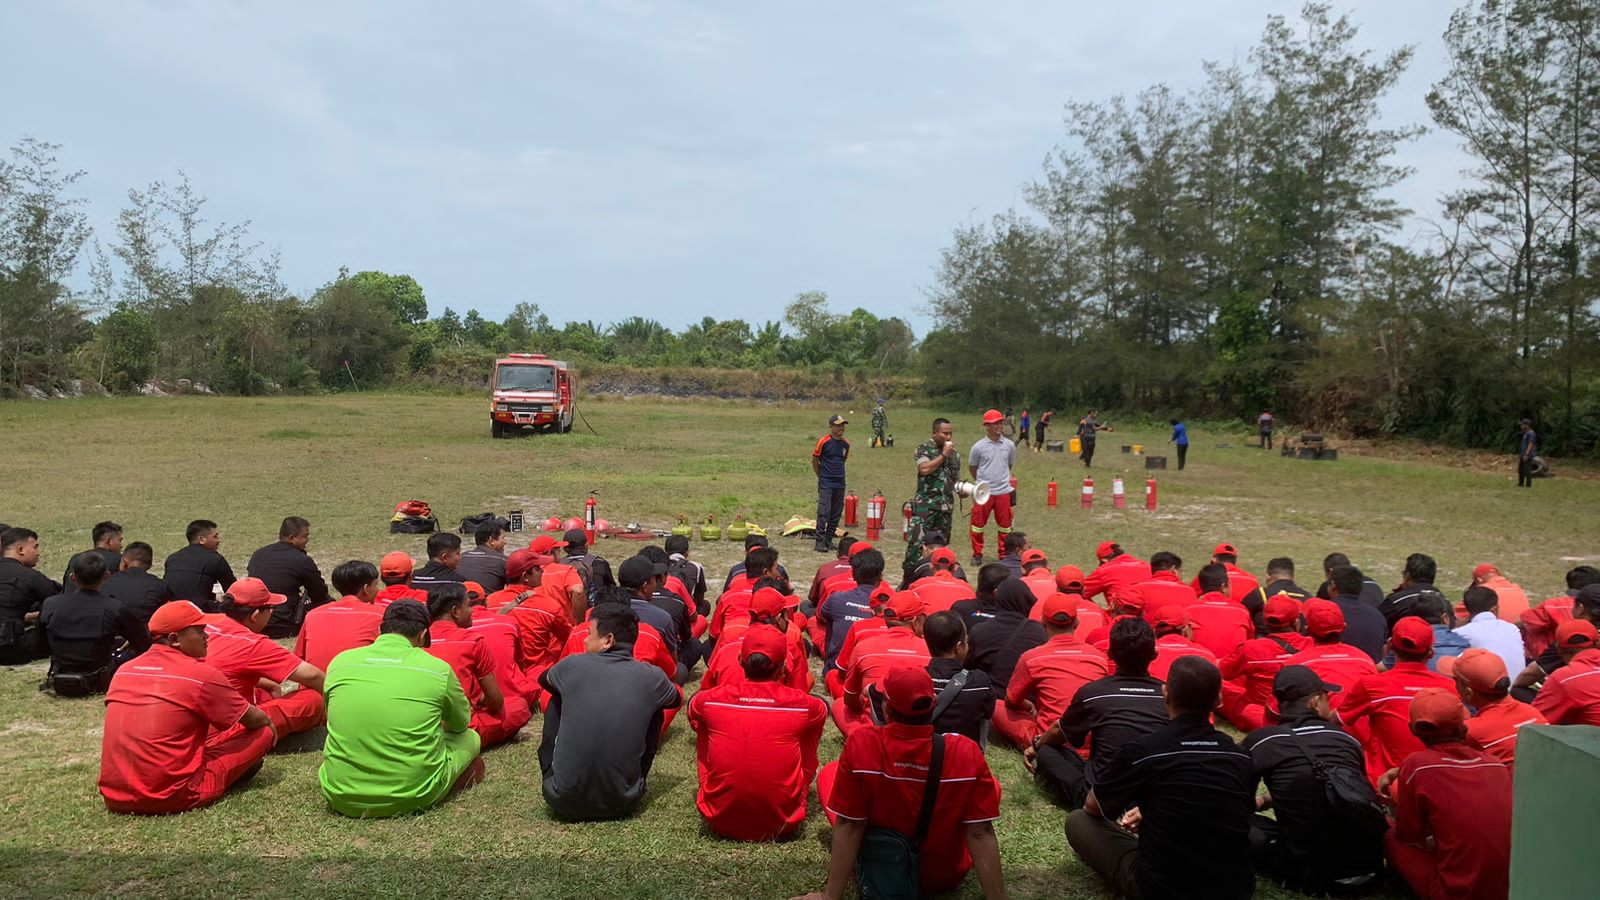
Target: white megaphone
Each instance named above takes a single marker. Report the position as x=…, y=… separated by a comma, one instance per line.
x=977, y=491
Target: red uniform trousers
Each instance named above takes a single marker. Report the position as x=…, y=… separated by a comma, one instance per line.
x=834, y=682
x=1241, y=714
x=825, y=778
x=698, y=628
x=1416, y=866
x=1015, y=725
x=296, y=711
x=493, y=729
x=1000, y=505
x=849, y=721
x=229, y=756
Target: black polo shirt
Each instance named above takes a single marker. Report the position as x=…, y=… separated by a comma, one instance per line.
x=1316, y=848
x=22, y=589
x=995, y=645
x=682, y=617
x=485, y=566
x=192, y=573
x=973, y=612
x=434, y=574
x=1364, y=626
x=1256, y=600
x=113, y=562
x=82, y=628
x=1113, y=710
x=1195, y=790
x=969, y=713
x=1403, y=602
x=138, y=591
x=286, y=569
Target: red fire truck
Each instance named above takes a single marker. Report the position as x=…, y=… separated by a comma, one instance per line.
x=531, y=391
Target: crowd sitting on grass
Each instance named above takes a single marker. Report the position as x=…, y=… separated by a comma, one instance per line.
x=1379, y=728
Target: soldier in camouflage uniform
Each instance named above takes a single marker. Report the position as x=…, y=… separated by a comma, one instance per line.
x=938, y=470
x=880, y=423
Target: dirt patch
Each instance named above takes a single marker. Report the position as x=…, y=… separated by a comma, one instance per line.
x=1481, y=461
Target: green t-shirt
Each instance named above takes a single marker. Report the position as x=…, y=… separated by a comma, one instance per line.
x=389, y=706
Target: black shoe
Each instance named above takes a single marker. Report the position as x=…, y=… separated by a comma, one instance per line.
x=977, y=559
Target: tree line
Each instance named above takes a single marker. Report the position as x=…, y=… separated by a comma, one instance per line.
x=1234, y=248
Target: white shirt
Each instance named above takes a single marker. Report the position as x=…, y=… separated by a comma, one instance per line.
x=1499, y=637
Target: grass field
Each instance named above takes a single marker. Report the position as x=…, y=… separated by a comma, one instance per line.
x=343, y=462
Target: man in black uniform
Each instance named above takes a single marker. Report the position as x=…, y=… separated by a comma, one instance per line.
x=485, y=563
x=971, y=700
x=1170, y=815
x=1527, y=446
x=1415, y=583
x=1279, y=580
x=107, y=543
x=444, y=554
x=23, y=590
x=134, y=587
x=1307, y=847
x=285, y=568
x=89, y=633
x=194, y=571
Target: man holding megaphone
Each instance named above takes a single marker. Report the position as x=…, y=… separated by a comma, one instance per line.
x=990, y=464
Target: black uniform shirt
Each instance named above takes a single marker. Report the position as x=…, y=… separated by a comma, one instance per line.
x=1114, y=710
x=138, y=591
x=22, y=589
x=434, y=574
x=1403, y=602
x=113, y=562
x=485, y=566
x=997, y=643
x=969, y=713
x=286, y=569
x=192, y=573
x=82, y=629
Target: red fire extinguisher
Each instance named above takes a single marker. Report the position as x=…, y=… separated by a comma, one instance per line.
x=905, y=523
x=850, y=502
x=1088, y=493
x=1150, y=494
x=875, y=516
x=1118, y=499
x=588, y=517
x=1050, y=494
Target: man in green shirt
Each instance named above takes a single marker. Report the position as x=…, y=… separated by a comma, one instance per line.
x=398, y=735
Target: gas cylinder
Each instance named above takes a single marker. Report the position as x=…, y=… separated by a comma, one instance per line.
x=1118, y=501
x=850, y=502
x=1088, y=493
x=875, y=516
x=589, y=517
x=1150, y=494
x=1050, y=494
x=905, y=521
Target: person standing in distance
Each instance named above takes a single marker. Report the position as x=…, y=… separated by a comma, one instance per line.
x=880, y=425
x=1264, y=423
x=1180, y=439
x=1527, y=443
x=827, y=461
x=1088, y=427
x=938, y=470
x=1039, y=428
x=990, y=463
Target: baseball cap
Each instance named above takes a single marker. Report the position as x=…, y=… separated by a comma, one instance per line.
x=1483, y=670
x=1437, y=711
x=575, y=537
x=767, y=602
x=475, y=591
x=397, y=564
x=905, y=605
x=544, y=543
x=252, y=593
x=1484, y=570
x=993, y=416
x=1060, y=609
x=859, y=546
x=1105, y=549
x=942, y=554
x=1069, y=578
x=880, y=595
x=1224, y=549
x=1323, y=617
x=1281, y=609
x=1299, y=682
x=838, y=420
x=170, y=618
x=1412, y=635
x=1576, y=633
x=765, y=640
x=1031, y=555
x=1172, y=616
x=636, y=570
x=909, y=691
x=520, y=562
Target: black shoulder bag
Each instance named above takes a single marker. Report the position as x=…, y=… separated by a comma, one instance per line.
x=1351, y=799
x=888, y=866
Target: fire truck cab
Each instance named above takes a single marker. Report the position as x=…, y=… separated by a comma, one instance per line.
x=531, y=391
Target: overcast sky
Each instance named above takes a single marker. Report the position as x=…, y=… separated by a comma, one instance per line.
x=611, y=158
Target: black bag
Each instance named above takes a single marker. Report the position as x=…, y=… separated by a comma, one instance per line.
x=471, y=524
x=1351, y=799
x=414, y=525
x=77, y=684
x=889, y=864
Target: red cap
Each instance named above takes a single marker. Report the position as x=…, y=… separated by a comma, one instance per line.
x=1224, y=550
x=475, y=591
x=170, y=618
x=767, y=641
x=1438, y=711
x=1281, y=609
x=993, y=416
x=1069, y=578
x=1576, y=633
x=942, y=555
x=1105, y=549
x=396, y=565
x=906, y=605
x=1031, y=555
x=1412, y=635
x=544, y=543
x=880, y=595
x=1484, y=570
x=1483, y=670
x=1060, y=609
x=1172, y=615
x=252, y=593
x=767, y=603
x=520, y=562
x=909, y=691
x=1323, y=617
x=859, y=546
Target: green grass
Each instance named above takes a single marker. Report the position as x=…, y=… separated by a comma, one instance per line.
x=343, y=462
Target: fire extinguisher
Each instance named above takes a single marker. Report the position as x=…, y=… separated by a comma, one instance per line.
x=1088, y=493
x=905, y=524
x=875, y=516
x=1118, y=500
x=1050, y=494
x=588, y=517
x=850, y=502
x=1150, y=494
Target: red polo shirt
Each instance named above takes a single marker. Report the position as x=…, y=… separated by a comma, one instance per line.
x=543, y=620
x=1339, y=664
x=246, y=657
x=160, y=708
x=881, y=776
x=465, y=653
x=942, y=590
x=1121, y=573
x=724, y=667
x=1091, y=618
x=824, y=572
x=890, y=648
x=844, y=581
x=756, y=751
x=649, y=648
x=1460, y=797
x=1241, y=584
x=1255, y=663
x=1539, y=624
x=1051, y=674
x=394, y=592
x=1385, y=698
x=732, y=606
x=1170, y=647
x=499, y=634
x=1571, y=695
x=1219, y=624
x=853, y=638
x=1494, y=729
x=1163, y=589
x=1042, y=582
x=333, y=628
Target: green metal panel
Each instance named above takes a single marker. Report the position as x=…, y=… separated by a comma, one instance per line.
x=1556, y=814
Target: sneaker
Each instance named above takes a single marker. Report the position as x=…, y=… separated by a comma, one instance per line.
x=977, y=560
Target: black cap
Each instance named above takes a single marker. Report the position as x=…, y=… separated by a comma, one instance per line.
x=1297, y=683
x=576, y=537
x=636, y=570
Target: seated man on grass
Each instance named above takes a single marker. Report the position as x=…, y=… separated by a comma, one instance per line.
x=398, y=724
x=496, y=717
x=89, y=633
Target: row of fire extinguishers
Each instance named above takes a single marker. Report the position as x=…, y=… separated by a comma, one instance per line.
x=877, y=505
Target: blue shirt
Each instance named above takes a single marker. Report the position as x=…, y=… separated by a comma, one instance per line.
x=1180, y=434
x=841, y=610
x=830, y=454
